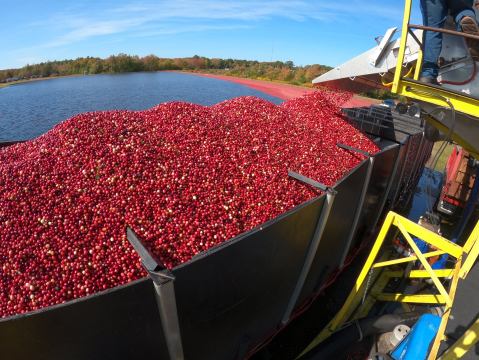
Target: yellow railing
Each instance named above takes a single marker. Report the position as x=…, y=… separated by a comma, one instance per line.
x=354, y=305
x=402, y=85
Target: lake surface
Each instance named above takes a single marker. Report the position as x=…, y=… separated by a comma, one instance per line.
x=31, y=109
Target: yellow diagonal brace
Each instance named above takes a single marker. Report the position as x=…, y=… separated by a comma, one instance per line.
x=424, y=263
x=417, y=73
x=419, y=274
x=428, y=236
x=406, y=259
x=417, y=299
x=341, y=315
x=445, y=317
x=472, y=249
x=463, y=344
x=355, y=295
x=380, y=283
x=472, y=239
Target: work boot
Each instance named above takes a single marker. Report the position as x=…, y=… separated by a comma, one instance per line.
x=428, y=80
x=469, y=26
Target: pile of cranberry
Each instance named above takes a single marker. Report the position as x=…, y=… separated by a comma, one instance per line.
x=185, y=177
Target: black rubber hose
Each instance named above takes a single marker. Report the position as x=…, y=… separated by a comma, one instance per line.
x=341, y=340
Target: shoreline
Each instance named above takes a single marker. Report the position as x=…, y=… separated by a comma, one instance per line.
x=277, y=89
x=25, y=81
x=281, y=90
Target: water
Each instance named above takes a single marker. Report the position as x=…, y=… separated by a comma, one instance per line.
x=427, y=192
x=31, y=109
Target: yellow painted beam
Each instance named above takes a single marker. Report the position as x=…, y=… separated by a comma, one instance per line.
x=463, y=344
x=406, y=259
x=417, y=73
x=422, y=92
x=472, y=239
x=417, y=299
x=445, y=317
x=424, y=262
x=402, y=46
x=355, y=295
x=472, y=244
x=380, y=283
x=419, y=274
x=428, y=236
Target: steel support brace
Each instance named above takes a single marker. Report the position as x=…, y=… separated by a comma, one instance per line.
x=359, y=210
x=416, y=158
x=313, y=245
x=414, y=173
x=388, y=189
x=401, y=176
x=163, y=282
x=307, y=180
x=353, y=149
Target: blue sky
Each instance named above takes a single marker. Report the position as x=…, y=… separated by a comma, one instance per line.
x=304, y=31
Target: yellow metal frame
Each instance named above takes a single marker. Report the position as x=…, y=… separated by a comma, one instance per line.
x=423, y=92
x=402, y=49
x=445, y=297
x=463, y=344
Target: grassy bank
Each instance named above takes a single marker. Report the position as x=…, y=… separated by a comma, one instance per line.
x=442, y=160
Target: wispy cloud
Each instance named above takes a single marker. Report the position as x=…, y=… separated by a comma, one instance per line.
x=168, y=17
x=171, y=30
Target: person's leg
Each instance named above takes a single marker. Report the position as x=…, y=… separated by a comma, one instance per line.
x=465, y=17
x=434, y=14
x=460, y=9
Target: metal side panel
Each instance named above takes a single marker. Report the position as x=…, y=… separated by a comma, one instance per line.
x=235, y=295
x=407, y=182
x=382, y=173
x=397, y=180
x=336, y=233
x=121, y=323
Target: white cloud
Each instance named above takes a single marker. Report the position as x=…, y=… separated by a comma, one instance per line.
x=169, y=17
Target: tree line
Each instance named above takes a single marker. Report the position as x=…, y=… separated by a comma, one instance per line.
x=275, y=71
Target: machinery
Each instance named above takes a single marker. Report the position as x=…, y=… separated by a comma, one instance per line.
x=411, y=274
x=396, y=64
x=231, y=300
x=460, y=177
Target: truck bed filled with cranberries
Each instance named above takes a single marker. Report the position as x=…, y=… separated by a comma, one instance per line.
x=185, y=177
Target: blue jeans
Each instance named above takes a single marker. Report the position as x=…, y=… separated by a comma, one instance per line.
x=434, y=13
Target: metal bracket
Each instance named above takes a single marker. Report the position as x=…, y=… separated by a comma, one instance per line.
x=307, y=180
x=361, y=198
x=388, y=189
x=382, y=46
x=353, y=149
x=163, y=282
x=419, y=42
x=313, y=246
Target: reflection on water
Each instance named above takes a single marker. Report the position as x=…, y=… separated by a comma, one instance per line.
x=30, y=109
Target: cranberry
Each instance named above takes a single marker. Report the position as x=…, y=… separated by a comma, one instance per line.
x=183, y=176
